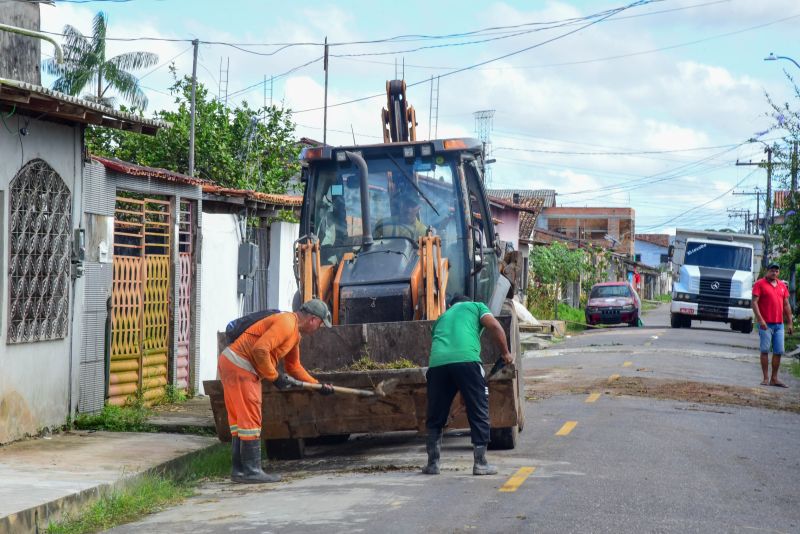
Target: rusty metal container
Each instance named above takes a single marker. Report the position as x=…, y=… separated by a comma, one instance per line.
x=290, y=417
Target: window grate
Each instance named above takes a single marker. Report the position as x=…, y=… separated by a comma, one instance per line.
x=40, y=227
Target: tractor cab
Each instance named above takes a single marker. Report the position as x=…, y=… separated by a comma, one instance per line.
x=391, y=232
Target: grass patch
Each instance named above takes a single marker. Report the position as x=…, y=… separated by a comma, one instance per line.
x=173, y=395
x=150, y=493
x=648, y=306
x=664, y=298
x=574, y=317
x=131, y=418
x=365, y=363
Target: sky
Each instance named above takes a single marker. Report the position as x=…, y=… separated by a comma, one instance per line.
x=648, y=107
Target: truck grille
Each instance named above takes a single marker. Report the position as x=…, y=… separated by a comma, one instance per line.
x=715, y=291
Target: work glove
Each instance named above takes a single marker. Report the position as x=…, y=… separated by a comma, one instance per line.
x=286, y=382
x=326, y=389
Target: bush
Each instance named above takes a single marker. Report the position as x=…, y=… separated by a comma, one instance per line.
x=131, y=418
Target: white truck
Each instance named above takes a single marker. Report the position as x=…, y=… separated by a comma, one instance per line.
x=713, y=275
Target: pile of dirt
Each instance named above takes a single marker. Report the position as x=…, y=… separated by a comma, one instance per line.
x=679, y=390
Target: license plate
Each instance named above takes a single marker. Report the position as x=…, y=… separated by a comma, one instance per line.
x=689, y=311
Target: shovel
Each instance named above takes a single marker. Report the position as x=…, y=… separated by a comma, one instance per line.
x=384, y=388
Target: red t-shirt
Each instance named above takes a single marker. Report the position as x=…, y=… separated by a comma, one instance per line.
x=770, y=299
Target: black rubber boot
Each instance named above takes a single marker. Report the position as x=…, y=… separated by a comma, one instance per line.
x=237, y=471
x=481, y=466
x=251, y=464
x=433, y=445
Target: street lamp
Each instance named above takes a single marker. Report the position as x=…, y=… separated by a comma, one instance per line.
x=773, y=57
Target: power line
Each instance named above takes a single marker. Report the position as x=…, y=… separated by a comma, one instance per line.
x=650, y=226
x=630, y=153
x=638, y=3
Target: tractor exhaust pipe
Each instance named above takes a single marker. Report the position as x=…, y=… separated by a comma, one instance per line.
x=366, y=222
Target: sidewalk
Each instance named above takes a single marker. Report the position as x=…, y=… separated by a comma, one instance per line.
x=41, y=479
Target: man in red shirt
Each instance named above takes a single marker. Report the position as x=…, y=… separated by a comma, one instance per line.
x=770, y=306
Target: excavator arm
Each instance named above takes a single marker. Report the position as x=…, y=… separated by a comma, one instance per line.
x=399, y=118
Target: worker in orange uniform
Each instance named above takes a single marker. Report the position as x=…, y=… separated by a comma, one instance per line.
x=252, y=357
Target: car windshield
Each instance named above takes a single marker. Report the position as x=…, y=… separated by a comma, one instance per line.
x=719, y=256
x=600, y=292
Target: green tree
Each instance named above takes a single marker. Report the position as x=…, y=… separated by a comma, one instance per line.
x=551, y=267
x=85, y=64
x=244, y=148
x=786, y=237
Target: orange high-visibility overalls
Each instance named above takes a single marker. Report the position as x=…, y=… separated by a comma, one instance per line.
x=253, y=356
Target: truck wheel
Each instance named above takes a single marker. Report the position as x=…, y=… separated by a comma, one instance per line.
x=285, y=449
x=687, y=321
x=501, y=439
x=675, y=320
x=746, y=327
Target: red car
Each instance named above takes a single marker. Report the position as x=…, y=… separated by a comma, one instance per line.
x=613, y=303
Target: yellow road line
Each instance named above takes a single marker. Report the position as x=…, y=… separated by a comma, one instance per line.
x=517, y=479
x=613, y=377
x=593, y=397
x=567, y=428
x=627, y=364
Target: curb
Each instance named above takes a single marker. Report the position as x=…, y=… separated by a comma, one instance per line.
x=36, y=519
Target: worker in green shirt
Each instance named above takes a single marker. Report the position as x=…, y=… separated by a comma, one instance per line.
x=455, y=366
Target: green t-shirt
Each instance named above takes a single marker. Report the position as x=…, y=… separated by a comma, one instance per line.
x=457, y=334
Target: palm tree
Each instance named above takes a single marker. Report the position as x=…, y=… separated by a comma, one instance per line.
x=85, y=64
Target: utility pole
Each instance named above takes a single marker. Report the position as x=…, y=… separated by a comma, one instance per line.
x=794, y=199
x=768, y=203
x=196, y=45
x=325, y=112
x=757, y=194
x=740, y=213
x=483, y=127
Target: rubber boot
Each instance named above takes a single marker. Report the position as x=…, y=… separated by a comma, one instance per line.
x=481, y=466
x=237, y=471
x=251, y=464
x=433, y=445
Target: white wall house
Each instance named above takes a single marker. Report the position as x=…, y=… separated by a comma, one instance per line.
x=41, y=285
x=232, y=288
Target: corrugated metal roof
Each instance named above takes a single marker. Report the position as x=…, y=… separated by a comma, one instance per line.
x=49, y=103
x=149, y=172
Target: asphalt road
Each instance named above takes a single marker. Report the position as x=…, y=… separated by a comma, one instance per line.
x=620, y=464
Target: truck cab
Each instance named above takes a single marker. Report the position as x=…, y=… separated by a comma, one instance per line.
x=713, y=278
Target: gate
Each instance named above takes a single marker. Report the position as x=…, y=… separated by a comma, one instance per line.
x=139, y=348
x=185, y=287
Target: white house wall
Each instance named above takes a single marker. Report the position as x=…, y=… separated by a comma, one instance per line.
x=220, y=255
x=35, y=380
x=281, y=284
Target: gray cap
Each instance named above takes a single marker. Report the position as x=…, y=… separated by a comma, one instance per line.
x=317, y=308
x=773, y=265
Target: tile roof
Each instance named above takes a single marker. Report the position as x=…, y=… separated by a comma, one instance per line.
x=54, y=105
x=536, y=199
x=662, y=240
x=268, y=198
x=150, y=172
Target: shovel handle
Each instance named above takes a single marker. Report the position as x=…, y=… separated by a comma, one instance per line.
x=340, y=389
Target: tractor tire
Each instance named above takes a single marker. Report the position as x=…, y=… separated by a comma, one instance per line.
x=503, y=439
x=333, y=439
x=285, y=449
